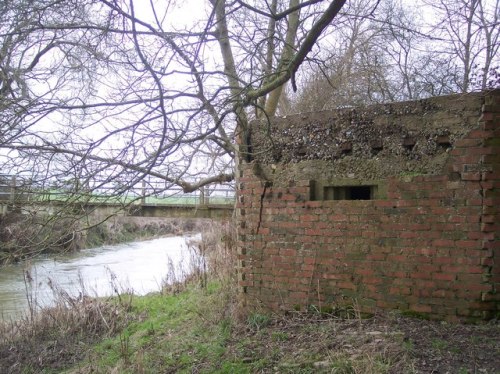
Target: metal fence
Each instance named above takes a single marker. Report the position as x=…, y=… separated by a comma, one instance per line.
x=15, y=189
x=7, y=187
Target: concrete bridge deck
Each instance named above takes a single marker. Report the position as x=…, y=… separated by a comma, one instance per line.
x=206, y=203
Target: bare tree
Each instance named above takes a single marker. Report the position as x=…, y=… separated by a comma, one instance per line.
x=102, y=94
x=351, y=68
x=109, y=90
x=388, y=50
x=470, y=31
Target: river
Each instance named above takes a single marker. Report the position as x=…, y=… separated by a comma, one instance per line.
x=139, y=267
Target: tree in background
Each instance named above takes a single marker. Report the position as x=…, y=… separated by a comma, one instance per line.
x=390, y=50
x=470, y=32
x=106, y=92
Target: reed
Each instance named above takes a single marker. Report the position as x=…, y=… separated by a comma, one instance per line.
x=53, y=337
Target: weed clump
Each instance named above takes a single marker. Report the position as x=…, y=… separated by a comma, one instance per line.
x=212, y=267
x=56, y=337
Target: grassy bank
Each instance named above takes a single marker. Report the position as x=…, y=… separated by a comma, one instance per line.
x=196, y=332
x=198, y=326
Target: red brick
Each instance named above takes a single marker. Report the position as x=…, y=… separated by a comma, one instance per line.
x=484, y=287
x=397, y=258
x=467, y=176
x=481, y=235
x=314, y=232
x=468, y=142
x=452, y=269
x=443, y=243
x=364, y=271
x=479, y=134
x=443, y=294
x=399, y=291
x=372, y=280
x=338, y=218
x=246, y=283
x=409, y=235
x=332, y=276
x=376, y=257
x=309, y=217
x=420, y=275
x=458, y=151
x=384, y=203
x=490, y=201
x=474, y=244
x=487, y=261
x=487, y=116
x=346, y=285
x=481, y=151
x=443, y=260
x=288, y=252
x=444, y=276
x=309, y=260
x=314, y=204
x=428, y=268
x=426, y=251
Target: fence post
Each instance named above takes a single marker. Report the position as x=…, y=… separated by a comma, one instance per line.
x=143, y=198
x=12, y=196
x=202, y=196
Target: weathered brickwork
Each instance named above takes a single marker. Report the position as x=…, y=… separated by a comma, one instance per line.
x=427, y=242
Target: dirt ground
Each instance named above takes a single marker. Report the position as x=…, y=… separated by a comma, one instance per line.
x=387, y=343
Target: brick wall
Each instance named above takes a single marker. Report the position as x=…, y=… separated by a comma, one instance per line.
x=427, y=241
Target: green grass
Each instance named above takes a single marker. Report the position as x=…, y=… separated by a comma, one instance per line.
x=171, y=333
x=439, y=344
x=194, y=331
x=198, y=331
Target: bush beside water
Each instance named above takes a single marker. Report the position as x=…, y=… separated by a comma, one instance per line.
x=25, y=236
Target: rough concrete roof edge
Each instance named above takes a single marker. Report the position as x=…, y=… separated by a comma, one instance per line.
x=419, y=132
x=372, y=108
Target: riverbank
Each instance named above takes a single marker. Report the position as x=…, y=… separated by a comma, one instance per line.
x=198, y=331
x=139, y=267
x=198, y=326
x=23, y=237
x=121, y=229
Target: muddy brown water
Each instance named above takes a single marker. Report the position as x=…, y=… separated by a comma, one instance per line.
x=140, y=267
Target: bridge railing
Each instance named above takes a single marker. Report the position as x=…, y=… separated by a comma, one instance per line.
x=15, y=189
x=175, y=196
x=10, y=188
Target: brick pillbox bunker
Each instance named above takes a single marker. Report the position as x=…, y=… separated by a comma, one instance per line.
x=393, y=206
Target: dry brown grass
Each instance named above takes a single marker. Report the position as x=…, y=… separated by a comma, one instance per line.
x=210, y=258
x=58, y=336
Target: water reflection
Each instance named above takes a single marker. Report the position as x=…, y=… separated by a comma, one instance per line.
x=139, y=267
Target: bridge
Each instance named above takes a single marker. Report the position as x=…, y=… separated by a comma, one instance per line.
x=148, y=200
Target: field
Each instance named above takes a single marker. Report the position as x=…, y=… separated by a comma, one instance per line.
x=217, y=197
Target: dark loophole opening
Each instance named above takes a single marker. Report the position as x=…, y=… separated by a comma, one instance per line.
x=348, y=193
x=409, y=143
x=444, y=142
